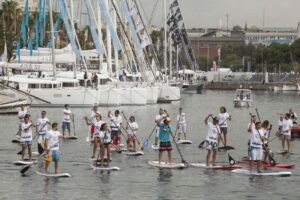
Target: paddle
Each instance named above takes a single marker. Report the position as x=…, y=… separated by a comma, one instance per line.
x=131, y=130
x=257, y=114
x=120, y=130
x=73, y=121
x=173, y=136
x=147, y=141
x=118, y=149
x=201, y=144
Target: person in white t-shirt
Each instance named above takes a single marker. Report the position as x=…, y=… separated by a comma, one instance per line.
x=52, y=147
x=116, y=124
x=256, y=147
x=223, y=116
x=266, y=128
x=213, y=133
x=293, y=115
x=280, y=121
x=132, y=128
x=66, y=122
x=181, y=124
x=26, y=136
x=21, y=115
x=158, y=119
x=287, y=124
x=90, y=121
x=97, y=134
x=42, y=127
x=250, y=129
x=106, y=139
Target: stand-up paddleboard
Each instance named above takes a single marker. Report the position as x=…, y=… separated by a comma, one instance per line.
x=133, y=153
x=203, y=165
x=226, y=148
x=247, y=172
x=99, y=160
x=35, y=153
x=105, y=168
x=184, y=142
x=282, y=152
x=25, y=162
x=155, y=147
x=73, y=137
x=60, y=175
x=167, y=165
x=267, y=165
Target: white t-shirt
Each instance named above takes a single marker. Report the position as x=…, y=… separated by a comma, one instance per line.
x=22, y=114
x=97, y=128
x=266, y=134
x=43, y=129
x=67, y=115
x=181, y=118
x=158, y=118
x=106, y=136
x=286, y=125
x=93, y=116
x=115, y=122
x=280, y=123
x=53, y=138
x=26, y=135
x=131, y=126
x=255, y=138
x=252, y=127
x=223, y=119
x=212, y=132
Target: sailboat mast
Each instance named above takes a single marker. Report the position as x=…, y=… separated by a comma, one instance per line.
x=165, y=36
x=52, y=40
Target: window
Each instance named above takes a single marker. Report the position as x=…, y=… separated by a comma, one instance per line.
x=30, y=86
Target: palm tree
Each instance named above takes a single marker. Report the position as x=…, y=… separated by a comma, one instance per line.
x=11, y=14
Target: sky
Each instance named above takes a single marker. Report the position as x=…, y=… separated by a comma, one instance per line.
x=209, y=13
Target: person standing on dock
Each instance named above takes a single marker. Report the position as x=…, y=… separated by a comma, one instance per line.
x=181, y=124
x=26, y=136
x=287, y=124
x=223, y=116
x=42, y=128
x=52, y=147
x=66, y=124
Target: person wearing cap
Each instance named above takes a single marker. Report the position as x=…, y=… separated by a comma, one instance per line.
x=213, y=133
x=165, y=135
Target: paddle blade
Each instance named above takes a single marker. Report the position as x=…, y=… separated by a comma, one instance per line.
x=20, y=152
x=24, y=169
x=201, y=144
x=231, y=160
x=146, y=143
x=40, y=148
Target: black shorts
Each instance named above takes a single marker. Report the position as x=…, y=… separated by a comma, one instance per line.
x=223, y=130
x=165, y=146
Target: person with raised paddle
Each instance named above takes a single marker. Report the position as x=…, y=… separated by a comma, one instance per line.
x=116, y=124
x=52, y=147
x=97, y=134
x=256, y=147
x=250, y=129
x=287, y=124
x=223, y=116
x=266, y=129
x=181, y=124
x=26, y=137
x=105, y=135
x=158, y=119
x=132, y=128
x=213, y=133
x=66, y=122
x=90, y=121
x=42, y=128
x=165, y=136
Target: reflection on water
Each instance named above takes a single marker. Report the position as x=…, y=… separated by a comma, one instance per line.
x=164, y=183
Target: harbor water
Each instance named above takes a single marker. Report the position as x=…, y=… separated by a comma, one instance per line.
x=138, y=180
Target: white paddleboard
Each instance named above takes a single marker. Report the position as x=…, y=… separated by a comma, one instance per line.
x=25, y=162
x=60, y=175
x=167, y=165
x=114, y=168
x=155, y=147
x=99, y=160
x=71, y=137
x=184, y=142
x=133, y=153
x=203, y=165
x=244, y=171
x=35, y=153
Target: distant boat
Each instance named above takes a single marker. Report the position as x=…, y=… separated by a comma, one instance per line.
x=287, y=87
x=242, y=98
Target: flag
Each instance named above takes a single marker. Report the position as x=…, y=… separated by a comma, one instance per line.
x=26, y=14
x=30, y=45
x=18, y=50
x=23, y=31
x=179, y=18
x=177, y=11
x=174, y=4
x=146, y=40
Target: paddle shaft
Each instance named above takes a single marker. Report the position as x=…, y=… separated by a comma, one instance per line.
x=73, y=120
x=120, y=129
x=173, y=136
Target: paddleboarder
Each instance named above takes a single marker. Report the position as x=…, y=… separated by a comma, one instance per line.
x=266, y=129
x=165, y=135
x=52, y=147
x=97, y=134
x=21, y=115
x=213, y=133
x=287, y=124
x=293, y=115
x=250, y=129
x=132, y=128
x=66, y=123
x=106, y=140
x=90, y=121
x=42, y=128
x=26, y=137
x=256, y=147
x=223, y=116
x=181, y=124
x=116, y=124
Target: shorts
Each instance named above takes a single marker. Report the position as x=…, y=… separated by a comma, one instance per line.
x=182, y=128
x=256, y=153
x=286, y=137
x=41, y=138
x=131, y=138
x=26, y=142
x=223, y=130
x=66, y=125
x=157, y=132
x=92, y=131
x=165, y=146
x=106, y=145
x=211, y=145
x=55, y=156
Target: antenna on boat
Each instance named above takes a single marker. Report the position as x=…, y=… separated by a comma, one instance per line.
x=52, y=40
